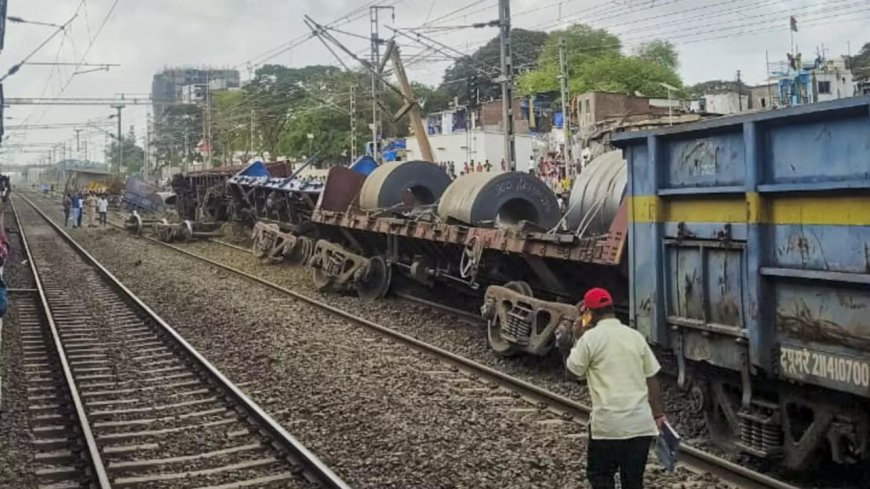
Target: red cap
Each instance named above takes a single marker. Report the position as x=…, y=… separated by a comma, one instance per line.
x=597, y=298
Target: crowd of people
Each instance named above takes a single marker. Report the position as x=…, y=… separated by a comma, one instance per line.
x=78, y=205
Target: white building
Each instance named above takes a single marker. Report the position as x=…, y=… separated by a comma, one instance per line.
x=477, y=145
x=725, y=103
x=833, y=80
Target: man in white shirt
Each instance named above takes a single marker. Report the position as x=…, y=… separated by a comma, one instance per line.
x=620, y=369
x=102, y=208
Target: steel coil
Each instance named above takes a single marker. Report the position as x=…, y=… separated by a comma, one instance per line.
x=597, y=195
x=500, y=199
x=406, y=184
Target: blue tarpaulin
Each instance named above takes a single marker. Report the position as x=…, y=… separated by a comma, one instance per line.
x=364, y=165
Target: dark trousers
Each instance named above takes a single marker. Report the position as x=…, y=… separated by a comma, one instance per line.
x=102, y=218
x=66, y=216
x=79, y=217
x=605, y=457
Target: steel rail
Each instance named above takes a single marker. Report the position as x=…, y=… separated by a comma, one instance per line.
x=313, y=467
x=690, y=457
x=94, y=459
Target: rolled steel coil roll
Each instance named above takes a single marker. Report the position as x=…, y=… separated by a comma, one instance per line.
x=597, y=194
x=408, y=184
x=500, y=199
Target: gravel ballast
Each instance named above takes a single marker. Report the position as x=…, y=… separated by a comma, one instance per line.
x=16, y=449
x=378, y=413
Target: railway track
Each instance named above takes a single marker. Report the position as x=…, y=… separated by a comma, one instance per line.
x=142, y=407
x=693, y=459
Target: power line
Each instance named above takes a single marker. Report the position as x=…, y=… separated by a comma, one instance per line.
x=14, y=69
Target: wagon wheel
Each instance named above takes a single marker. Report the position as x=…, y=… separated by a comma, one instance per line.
x=137, y=221
x=187, y=231
x=322, y=280
x=376, y=280
x=298, y=253
x=498, y=344
x=521, y=287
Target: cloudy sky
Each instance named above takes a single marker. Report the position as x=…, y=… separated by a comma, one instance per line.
x=715, y=38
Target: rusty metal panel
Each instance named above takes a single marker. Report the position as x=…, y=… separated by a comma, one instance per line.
x=342, y=189
x=604, y=250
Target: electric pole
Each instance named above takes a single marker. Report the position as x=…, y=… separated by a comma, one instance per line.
x=739, y=93
x=566, y=126
x=352, y=123
x=252, y=133
x=78, y=143
x=208, y=118
x=120, y=161
x=147, y=144
x=377, y=123
x=507, y=83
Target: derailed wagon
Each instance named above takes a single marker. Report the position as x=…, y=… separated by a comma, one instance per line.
x=203, y=195
x=493, y=234
x=747, y=259
x=279, y=208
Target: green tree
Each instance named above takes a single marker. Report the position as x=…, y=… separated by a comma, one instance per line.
x=595, y=62
x=485, y=63
x=177, y=133
x=715, y=86
x=431, y=99
x=624, y=74
x=860, y=63
x=231, y=127
x=663, y=53
x=133, y=157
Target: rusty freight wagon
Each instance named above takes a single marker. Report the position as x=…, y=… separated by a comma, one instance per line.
x=500, y=236
x=749, y=258
x=202, y=195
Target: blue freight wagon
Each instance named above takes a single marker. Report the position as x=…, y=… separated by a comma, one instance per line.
x=749, y=259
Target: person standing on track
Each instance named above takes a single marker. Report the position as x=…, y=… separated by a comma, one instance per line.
x=91, y=204
x=103, y=208
x=67, y=205
x=76, y=210
x=627, y=409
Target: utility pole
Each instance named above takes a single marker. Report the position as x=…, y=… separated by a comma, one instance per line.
x=147, y=147
x=186, y=151
x=410, y=106
x=208, y=118
x=377, y=121
x=120, y=162
x=739, y=93
x=352, y=123
x=566, y=126
x=507, y=83
x=252, y=134
x=78, y=143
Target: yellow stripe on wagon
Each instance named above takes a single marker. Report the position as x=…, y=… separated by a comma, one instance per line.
x=753, y=209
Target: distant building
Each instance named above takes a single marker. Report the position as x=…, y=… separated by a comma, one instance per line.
x=763, y=97
x=800, y=82
x=725, y=103
x=189, y=85
x=593, y=108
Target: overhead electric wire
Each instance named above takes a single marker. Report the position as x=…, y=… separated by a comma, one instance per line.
x=14, y=69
